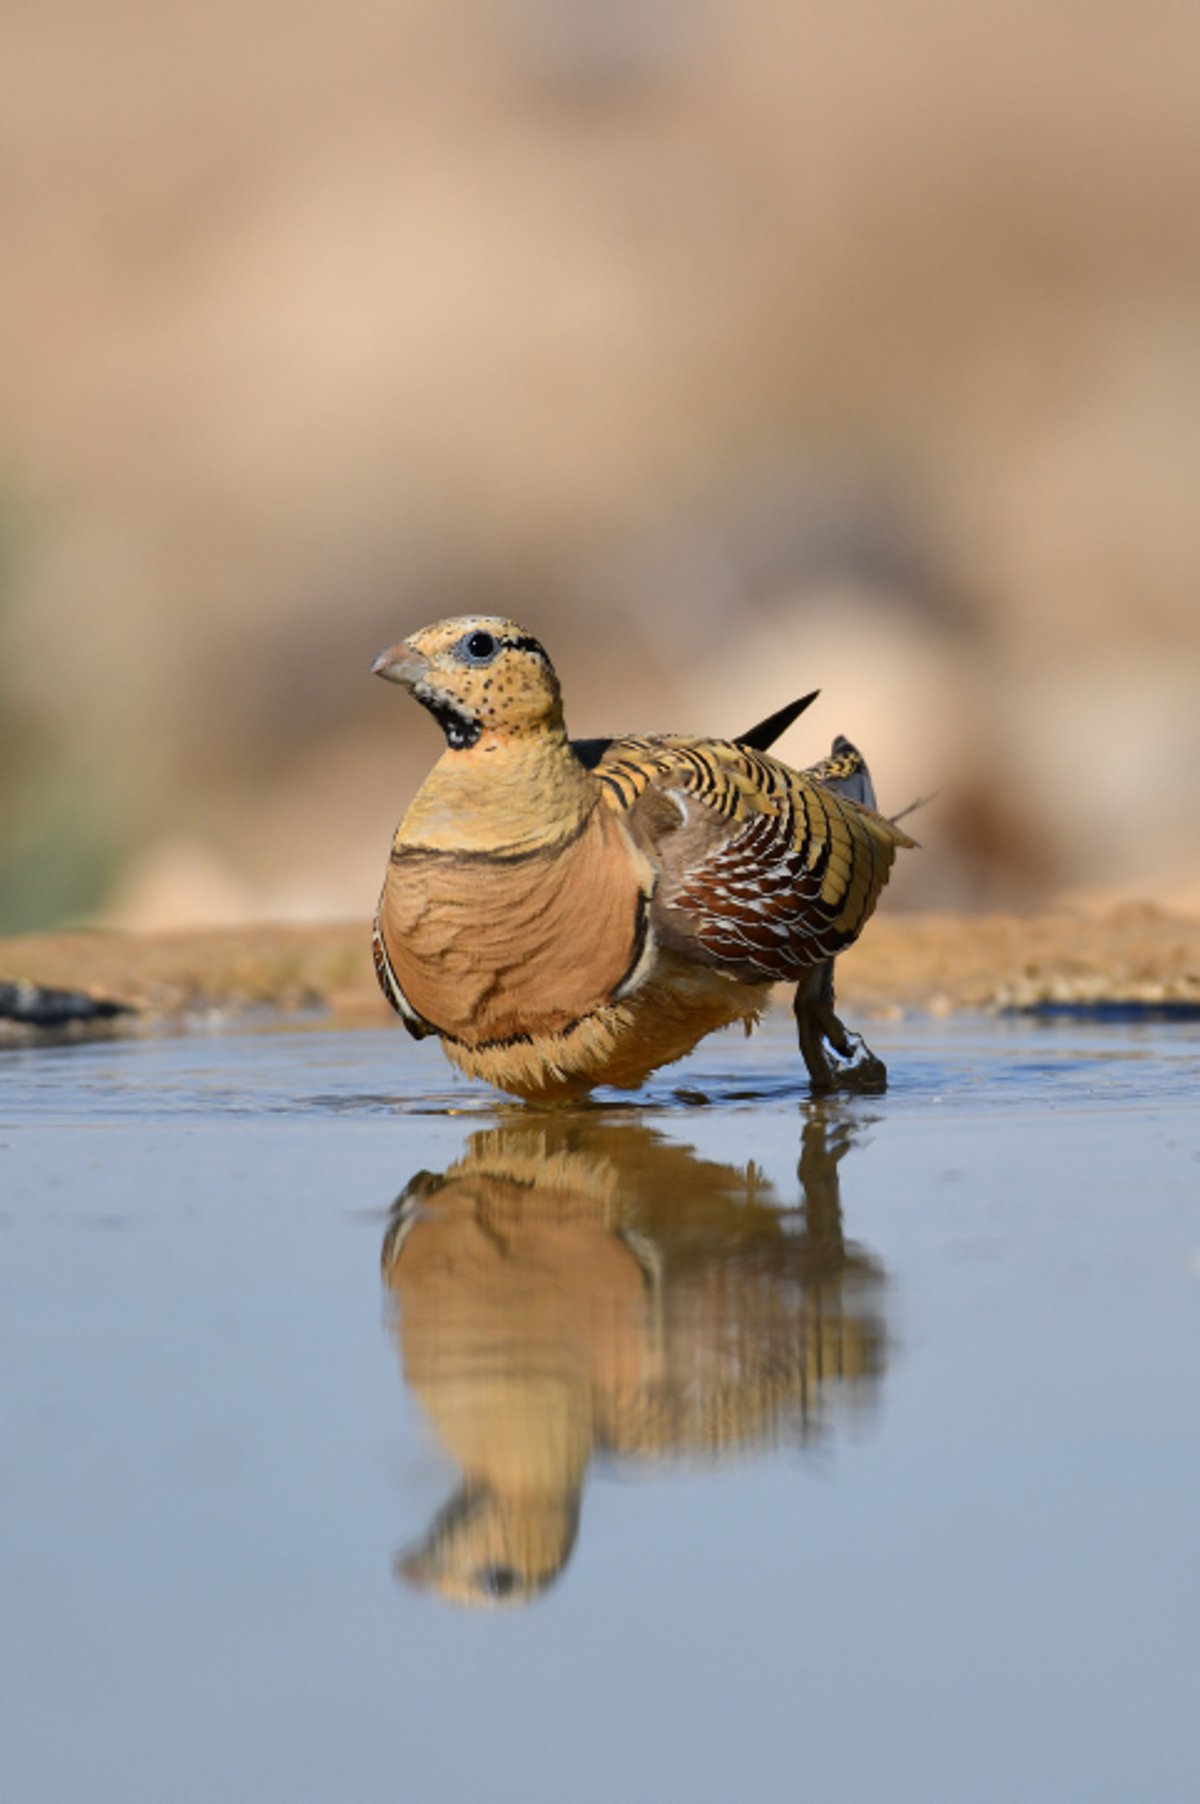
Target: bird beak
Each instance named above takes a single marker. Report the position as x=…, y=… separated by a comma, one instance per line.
x=415, y=1568
x=400, y=664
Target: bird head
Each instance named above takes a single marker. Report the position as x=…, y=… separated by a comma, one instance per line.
x=484, y=1549
x=478, y=674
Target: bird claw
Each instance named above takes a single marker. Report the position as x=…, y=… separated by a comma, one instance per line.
x=836, y=1058
x=855, y=1068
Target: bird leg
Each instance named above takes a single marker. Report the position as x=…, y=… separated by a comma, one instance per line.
x=836, y=1058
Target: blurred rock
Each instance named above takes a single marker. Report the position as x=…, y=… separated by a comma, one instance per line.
x=180, y=883
x=35, y=1005
x=714, y=341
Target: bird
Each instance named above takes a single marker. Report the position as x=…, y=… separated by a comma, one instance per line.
x=565, y=914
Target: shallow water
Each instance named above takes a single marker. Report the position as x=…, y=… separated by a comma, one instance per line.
x=363, y=1439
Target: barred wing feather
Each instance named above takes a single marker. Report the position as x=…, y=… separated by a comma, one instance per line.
x=764, y=871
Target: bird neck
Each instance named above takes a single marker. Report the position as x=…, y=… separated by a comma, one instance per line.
x=508, y=793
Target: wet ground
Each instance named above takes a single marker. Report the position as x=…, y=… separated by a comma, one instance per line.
x=365, y=1440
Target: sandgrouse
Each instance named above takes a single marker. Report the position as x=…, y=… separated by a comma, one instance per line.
x=567, y=913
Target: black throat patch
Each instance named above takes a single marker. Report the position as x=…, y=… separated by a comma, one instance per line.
x=461, y=729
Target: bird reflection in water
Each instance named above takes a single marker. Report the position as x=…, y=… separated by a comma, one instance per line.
x=575, y=1289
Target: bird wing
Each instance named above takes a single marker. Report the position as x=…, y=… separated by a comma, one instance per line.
x=763, y=871
x=761, y=736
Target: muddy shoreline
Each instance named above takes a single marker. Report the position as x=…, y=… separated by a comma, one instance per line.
x=1136, y=955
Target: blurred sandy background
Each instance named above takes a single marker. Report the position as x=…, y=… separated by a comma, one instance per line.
x=735, y=348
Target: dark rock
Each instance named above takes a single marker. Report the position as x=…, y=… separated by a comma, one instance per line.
x=36, y=1005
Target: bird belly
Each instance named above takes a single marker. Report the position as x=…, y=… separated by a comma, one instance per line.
x=619, y=1043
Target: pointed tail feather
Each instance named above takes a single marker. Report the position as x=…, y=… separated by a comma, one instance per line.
x=762, y=737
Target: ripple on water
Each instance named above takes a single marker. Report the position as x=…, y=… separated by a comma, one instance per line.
x=965, y=1063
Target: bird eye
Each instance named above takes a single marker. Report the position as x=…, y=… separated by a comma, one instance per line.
x=479, y=648
x=497, y=1581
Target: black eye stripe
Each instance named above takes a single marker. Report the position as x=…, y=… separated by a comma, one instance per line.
x=482, y=647
x=526, y=643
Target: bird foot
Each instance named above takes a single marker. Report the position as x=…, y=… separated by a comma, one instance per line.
x=836, y=1058
x=853, y=1068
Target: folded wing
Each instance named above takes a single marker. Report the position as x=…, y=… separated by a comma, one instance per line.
x=764, y=871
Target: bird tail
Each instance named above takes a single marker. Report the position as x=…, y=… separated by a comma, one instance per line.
x=761, y=737
x=845, y=772
x=911, y=807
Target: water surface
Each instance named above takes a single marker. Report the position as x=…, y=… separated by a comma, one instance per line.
x=364, y=1438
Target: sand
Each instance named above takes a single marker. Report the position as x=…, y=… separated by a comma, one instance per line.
x=1135, y=954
